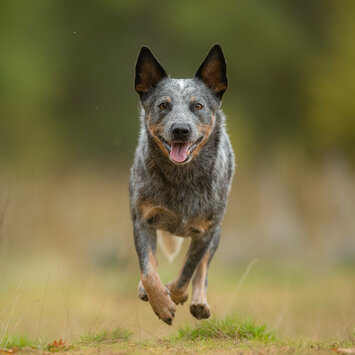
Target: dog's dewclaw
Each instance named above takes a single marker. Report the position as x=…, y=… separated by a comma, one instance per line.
x=142, y=294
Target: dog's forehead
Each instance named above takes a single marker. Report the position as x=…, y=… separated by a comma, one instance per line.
x=183, y=88
x=183, y=85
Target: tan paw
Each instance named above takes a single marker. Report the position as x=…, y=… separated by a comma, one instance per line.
x=177, y=295
x=200, y=310
x=142, y=294
x=162, y=304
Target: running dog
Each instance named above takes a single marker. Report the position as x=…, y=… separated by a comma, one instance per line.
x=180, y=178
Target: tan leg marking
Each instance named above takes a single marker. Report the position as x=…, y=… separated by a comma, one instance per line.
x=201, y=225
x=199, y=306
x=178, y=295
x=158, y=294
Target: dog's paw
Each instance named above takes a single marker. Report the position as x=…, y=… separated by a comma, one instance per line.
x=142, y=294
x=200, y=310
x=162, y=305
x=177, y=295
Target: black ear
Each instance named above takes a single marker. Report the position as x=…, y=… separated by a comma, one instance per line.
x=213, y=71
x=148, y=71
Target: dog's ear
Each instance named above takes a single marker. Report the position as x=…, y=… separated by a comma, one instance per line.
x=213, y=71
x=148, y=71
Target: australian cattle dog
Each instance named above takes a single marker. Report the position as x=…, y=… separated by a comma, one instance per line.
x=180, y=179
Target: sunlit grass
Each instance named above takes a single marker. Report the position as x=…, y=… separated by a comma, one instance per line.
x=103, y=336
x=19, y=342
x=226, y=329
x=211, y=336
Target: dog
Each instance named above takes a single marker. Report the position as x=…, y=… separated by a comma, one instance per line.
x=180, y=178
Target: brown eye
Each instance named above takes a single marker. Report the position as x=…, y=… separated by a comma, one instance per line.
x=163, y=106
x=198, y=106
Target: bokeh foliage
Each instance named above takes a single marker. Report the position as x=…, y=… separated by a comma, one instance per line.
x=66, y=74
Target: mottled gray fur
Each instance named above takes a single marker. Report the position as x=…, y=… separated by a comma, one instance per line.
x=196, y=190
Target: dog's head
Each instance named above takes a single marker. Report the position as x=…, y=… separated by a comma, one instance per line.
x=180, y=114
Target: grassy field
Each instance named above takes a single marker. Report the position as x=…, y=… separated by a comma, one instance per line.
x=230, y=335
x=68, y=270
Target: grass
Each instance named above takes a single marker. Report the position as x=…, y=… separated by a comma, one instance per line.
x=227, y=329
x=217, y=336
x=103, y=336
x=246, y=333
x=19, y=342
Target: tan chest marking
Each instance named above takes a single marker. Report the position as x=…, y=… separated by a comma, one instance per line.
x=151, y=213
x=165, y=219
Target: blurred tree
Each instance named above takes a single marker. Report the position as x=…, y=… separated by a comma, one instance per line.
x=66, y=74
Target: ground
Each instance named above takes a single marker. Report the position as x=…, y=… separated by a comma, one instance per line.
x=305, y=311
x=68, y=270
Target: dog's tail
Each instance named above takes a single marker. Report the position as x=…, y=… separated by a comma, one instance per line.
x=170, y=244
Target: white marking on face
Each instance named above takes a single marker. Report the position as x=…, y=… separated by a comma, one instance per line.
x=181, y=83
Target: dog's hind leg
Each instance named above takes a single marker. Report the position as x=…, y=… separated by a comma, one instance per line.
x=178, y=294
x=199, y=307
x=156, y=292
x=195, y=255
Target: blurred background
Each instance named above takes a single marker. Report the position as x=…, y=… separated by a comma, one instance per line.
x=69, y=126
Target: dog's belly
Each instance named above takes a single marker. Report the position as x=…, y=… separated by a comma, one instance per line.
x=162, y=218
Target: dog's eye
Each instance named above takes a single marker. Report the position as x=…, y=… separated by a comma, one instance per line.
x=198, y=106
x=163, y=106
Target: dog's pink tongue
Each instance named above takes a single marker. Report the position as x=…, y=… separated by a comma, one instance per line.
x=178, y=151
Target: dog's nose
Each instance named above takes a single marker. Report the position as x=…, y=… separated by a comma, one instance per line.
x=180, y=130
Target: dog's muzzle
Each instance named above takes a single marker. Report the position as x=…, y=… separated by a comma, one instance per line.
x=180, y=152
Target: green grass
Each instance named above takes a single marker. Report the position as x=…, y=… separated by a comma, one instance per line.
x=227, y=329
x=103, y=336
x=217, y=336
x=18, y=341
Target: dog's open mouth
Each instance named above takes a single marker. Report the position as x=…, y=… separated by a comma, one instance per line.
x=180, y=152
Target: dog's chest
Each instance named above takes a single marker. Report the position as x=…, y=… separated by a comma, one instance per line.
x=159, y=217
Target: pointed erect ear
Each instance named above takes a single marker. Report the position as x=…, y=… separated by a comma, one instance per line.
x=148, y=71
x=213, y=71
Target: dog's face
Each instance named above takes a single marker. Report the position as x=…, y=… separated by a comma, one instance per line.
x=180, y=113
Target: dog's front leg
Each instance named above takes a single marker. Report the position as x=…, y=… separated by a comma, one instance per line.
x=199, y=307
x=199, y=251
x=158, y=294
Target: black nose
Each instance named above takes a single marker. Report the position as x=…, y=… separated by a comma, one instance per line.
x=180, y=131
